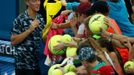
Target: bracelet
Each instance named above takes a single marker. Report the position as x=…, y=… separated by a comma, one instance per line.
x=110, y=37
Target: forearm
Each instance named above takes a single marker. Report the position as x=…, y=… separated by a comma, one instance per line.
x=117, y=43
x=131, y=39
x=64, y=25
x=114, y=28
x=74, y=29
x=64, y=3
x=16, y=39
x=114, y=41
x=116, y=63
x=71, y=44
x=112, y=36
x=117, y=37
x=131, y=52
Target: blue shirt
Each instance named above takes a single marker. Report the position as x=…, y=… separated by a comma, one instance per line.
x=119, y=12
x=72, y=5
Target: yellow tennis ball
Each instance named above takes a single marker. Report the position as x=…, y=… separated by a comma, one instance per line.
x=52, y=68
x=70, y=73
x=71, y=51
x=57, y=72
x=128, y=64
x=69, y=67
x=97, y=21
x=53, y=42
x=66, y=38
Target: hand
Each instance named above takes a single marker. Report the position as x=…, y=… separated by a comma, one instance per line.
x=73, y=21
x=54, y=26
x=71, y=44
x=60, y=46
x=107, y=21
x=130, y=70
x=81, y=70
x=65, y=12
x=123, y=39
x=127, y=44
x=34, y=25
x=86, y=20
x=104, y=33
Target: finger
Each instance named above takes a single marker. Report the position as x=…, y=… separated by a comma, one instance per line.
x=101, y=29
x=35, y=20
x=124, y=40
x=53, y=26
x=55, y=47
x=59, y=41
x=126, y=43
x=106, y=23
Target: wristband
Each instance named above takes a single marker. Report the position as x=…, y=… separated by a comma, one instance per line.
x=110, y=37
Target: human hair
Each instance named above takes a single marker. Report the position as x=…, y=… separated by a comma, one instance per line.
x=105, y=43
x=94, y=44
x=114, y=1
x=100, y=7
x=83, y=8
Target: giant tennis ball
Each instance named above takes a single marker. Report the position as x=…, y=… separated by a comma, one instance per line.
x=52, y=68
x=97, y=21
x=57, y=72
x=70, y=73
x=71, y=51
x=53, y=42
x=69, y=67
x=129, y=64
x=66, y=38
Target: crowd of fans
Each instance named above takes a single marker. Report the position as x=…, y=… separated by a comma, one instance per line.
x=106, y=52
x=88, y=37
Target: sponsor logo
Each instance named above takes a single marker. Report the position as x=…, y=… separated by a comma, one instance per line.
x=6, y=48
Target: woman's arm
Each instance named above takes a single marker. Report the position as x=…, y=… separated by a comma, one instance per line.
x=117, y=40
x=117, y=65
